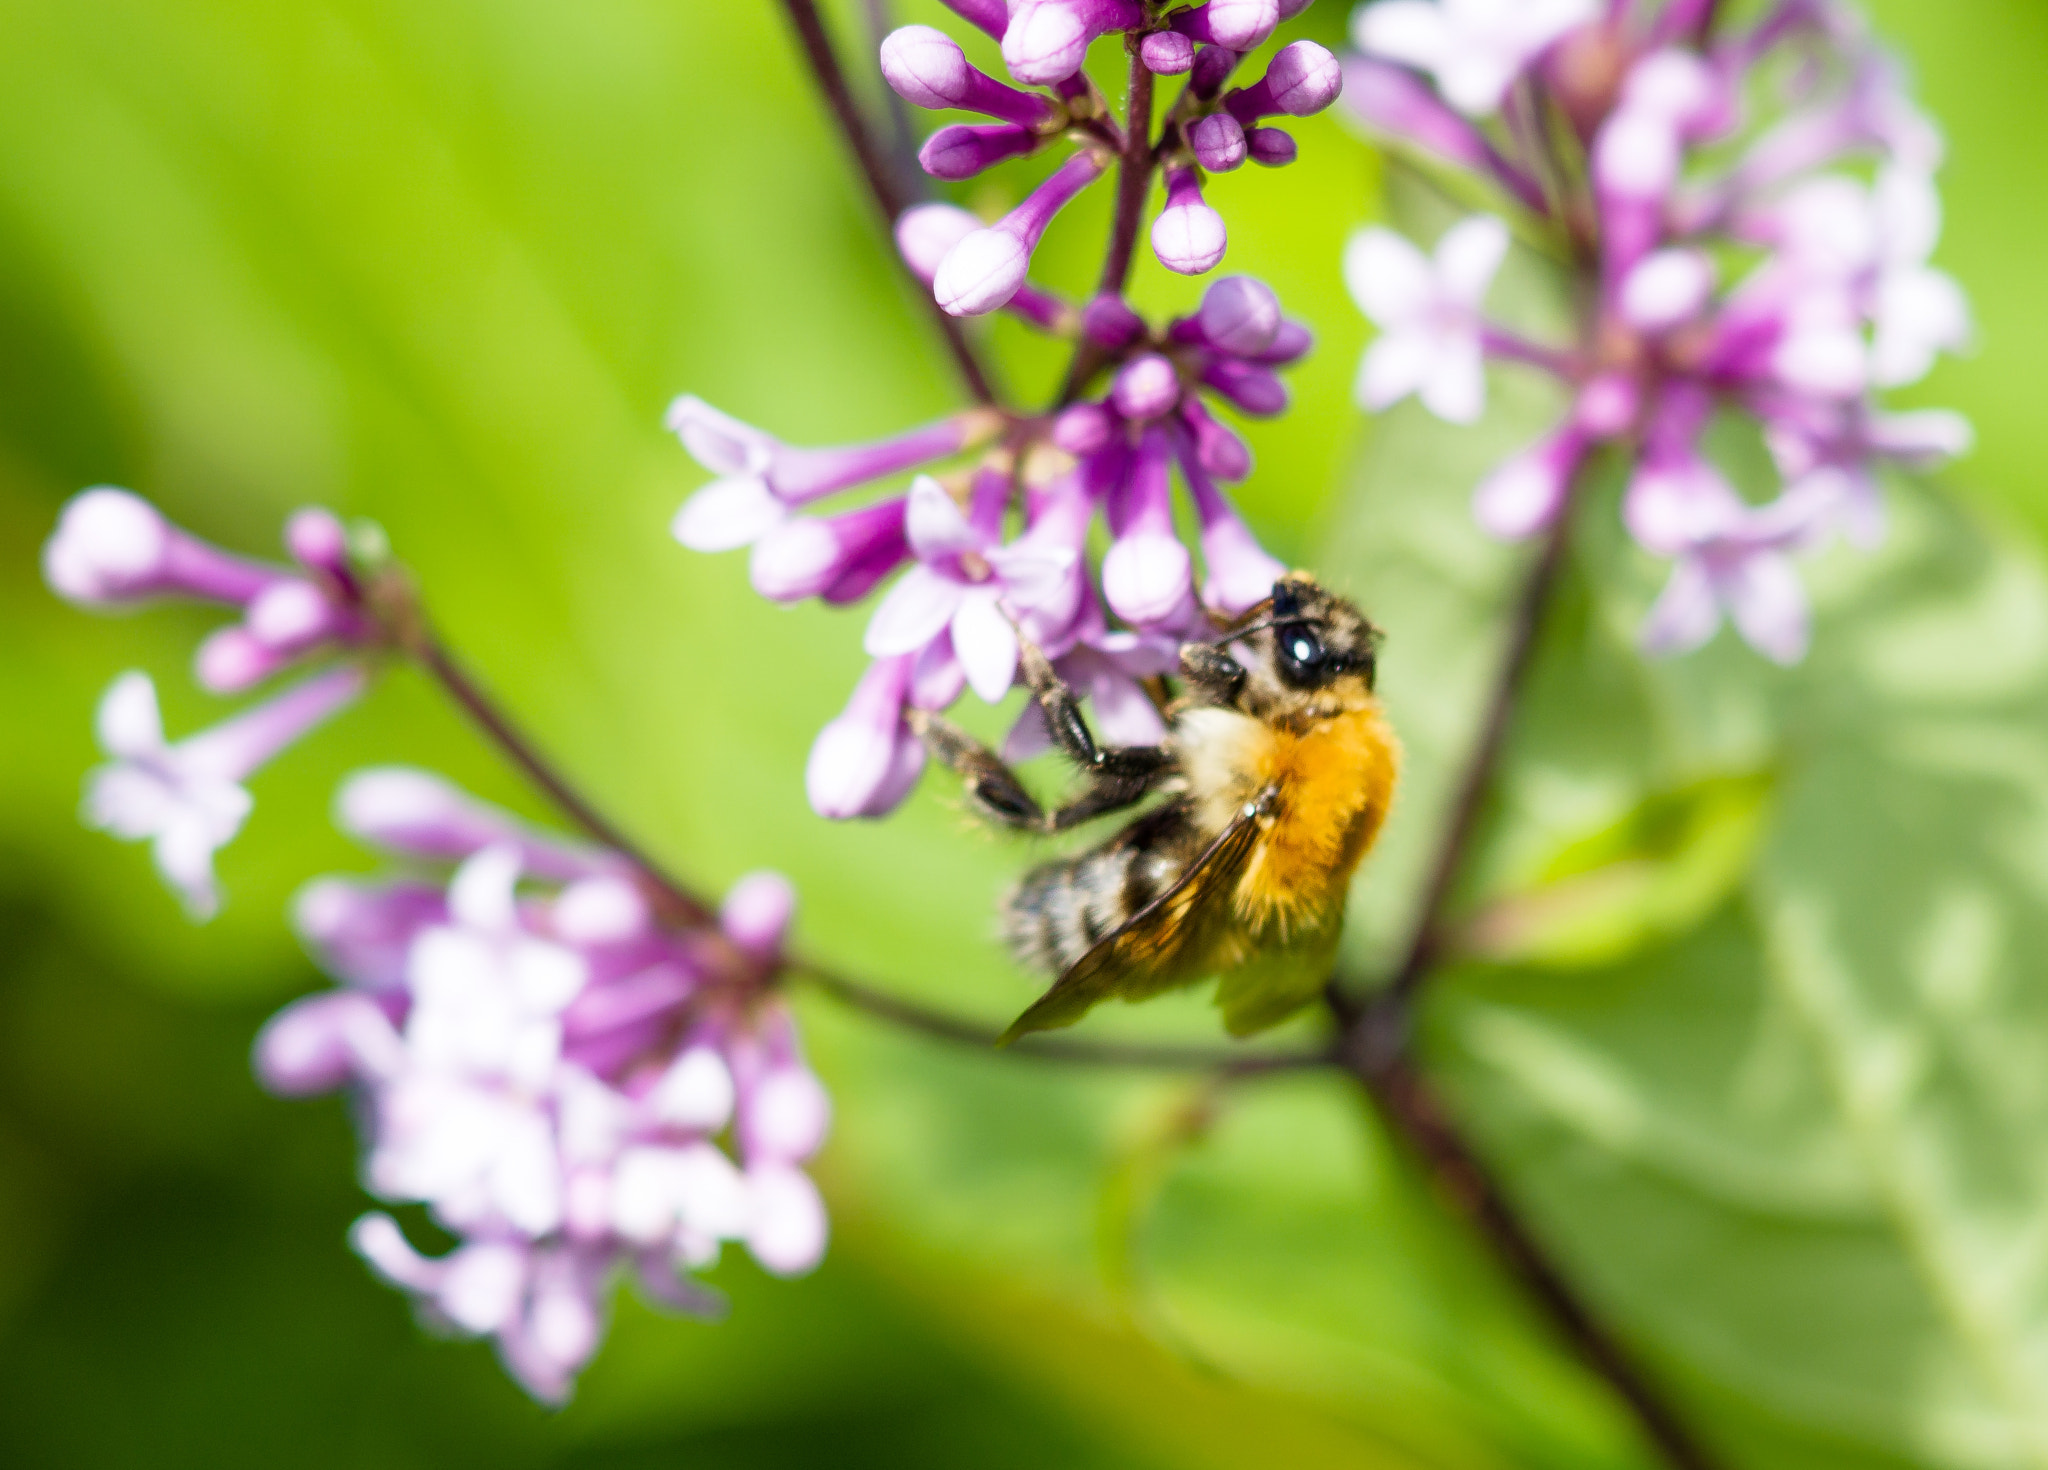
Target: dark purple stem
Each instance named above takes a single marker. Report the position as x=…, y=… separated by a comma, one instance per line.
x=883, y=188
x=480, y=707
x=963, y=1031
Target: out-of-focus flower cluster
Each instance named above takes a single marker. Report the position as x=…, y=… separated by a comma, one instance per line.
x=549, y=1065
x=1209, y=128
x=1755, y=205
x=113, y=550
x=999, y=546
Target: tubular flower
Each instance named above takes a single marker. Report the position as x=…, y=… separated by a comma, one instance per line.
x=1751, y=249
x=576, y=1087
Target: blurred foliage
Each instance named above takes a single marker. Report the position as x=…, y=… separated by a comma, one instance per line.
x=443, y=264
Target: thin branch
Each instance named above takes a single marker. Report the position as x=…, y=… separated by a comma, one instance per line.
x=1407, y=1102
x=1133, y=186
x=883, y=188
x=1524, y=624
x=480, y=707
x=962, y=1031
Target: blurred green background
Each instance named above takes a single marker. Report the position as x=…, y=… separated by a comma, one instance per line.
x=444, y=263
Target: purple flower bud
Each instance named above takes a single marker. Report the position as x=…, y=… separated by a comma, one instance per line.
x=1239, y=25
x=1217, y=449
x=866, y=761
x=1218, y=142
x=987, y=267
x=317, y=541
x=1109, y=322
x=1188, y=237
x=1166, y=53
x=112, y=547
x=1524, y=495
x=1047, y=40
x=813, y=556
x=756, y=912
x=990, y=16
x=1083, y=429
x=289, y=615
x=927, y=67
x=1147, y=573
x=1146, y=387
x=1292, y=341
x=1271, y=147
x=1212, y=68
x=963, y=150
x=1240, y=571
x=231, y=659
x=1253, y=389
x=1303, y=79
x=1240, y=315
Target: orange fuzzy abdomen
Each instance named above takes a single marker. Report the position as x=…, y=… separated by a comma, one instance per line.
x=1336, y=781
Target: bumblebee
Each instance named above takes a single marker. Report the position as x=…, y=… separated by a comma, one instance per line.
x=1277, y=772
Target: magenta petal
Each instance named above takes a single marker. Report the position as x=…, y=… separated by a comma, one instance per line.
x=1124, y=712
x=913, y=613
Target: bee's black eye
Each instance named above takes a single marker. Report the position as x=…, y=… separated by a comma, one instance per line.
x=1301, y=653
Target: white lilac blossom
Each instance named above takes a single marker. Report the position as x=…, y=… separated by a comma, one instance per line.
x=1754, y=229
x=112, y=549
x=187, y=799
x=1000, y=546
x=578, y=1089
x=1428, y=312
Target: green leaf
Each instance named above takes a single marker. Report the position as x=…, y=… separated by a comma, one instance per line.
x=1789, y=1134
x=1651, y=875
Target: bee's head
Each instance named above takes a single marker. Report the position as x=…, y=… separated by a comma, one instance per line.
x=1303, y=654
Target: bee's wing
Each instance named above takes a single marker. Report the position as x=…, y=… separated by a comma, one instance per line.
x=1153, y=938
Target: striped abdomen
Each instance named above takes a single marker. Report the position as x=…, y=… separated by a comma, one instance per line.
x=1062, y=909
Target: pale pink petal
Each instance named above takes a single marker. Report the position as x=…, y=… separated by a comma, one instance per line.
x=1394, y=366
x=728, y=514
x=934, y=524
x=1467, y=258
x=915, y=611
x=1387, y=276
x=128, y=723
x=986, y=645
x=1685, y=614
x=1768, y=605
x=1455, y=390
x=789, y=1227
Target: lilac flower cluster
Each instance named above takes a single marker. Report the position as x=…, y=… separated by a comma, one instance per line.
x=999, y=547
x=1044, y=42
x=548, y=1046
x=995, y=533
x=1755, y=206
x=548, y=1066
x=114, y=550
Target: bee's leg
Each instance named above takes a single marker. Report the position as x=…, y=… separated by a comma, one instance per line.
x=1118, y=776
x=992, y=786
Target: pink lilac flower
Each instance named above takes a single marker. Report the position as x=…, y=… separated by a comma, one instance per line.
x=113, y=549
x=576, y=1090
x=1473, y=48
x=187, y=800
x=1428, y=313
x=1773, y=265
